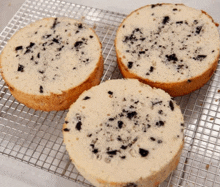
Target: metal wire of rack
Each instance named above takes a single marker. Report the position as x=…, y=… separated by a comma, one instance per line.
x=35, y=137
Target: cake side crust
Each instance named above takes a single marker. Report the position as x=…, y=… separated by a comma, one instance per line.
x=177, y=88
x=55, y=101
x=174, y=88
x=152, y=181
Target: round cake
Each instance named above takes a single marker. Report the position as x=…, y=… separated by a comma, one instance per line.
x=123, y=133
x=50, y=62
x=168, y=46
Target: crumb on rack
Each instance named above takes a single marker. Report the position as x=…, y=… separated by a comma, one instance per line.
x=82, y=18
x=211, y=118
x=207, y=166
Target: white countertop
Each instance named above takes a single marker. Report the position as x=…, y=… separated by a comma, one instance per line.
x=14, y=173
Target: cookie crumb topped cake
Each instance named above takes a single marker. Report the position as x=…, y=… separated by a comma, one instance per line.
x=168, y=46
x=50, y=62
x=124, y=133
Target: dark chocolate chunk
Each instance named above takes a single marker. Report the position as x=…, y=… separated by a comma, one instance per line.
x=32, y=58
x=159, y=141
x=152, y=6
x=198, y=29
x=189, y=80
x=38, y=55
x=119, y=138
x=200, y=57
x=18, y=48
x=91, y=36
x=120, y=124
x=66, y=130
x=136, y=102
x=124, y=147
x=86, y=98
x=166, y=19
x=142, y=39
x=130, y=115
x=74, y=68
x=41, y=71
x=172, y=57
x=80, y=26
x=143, y=152
x=54, y=23
x=180, y=66
x=182, y=124
x=131, y=106
x=130, y=64
x=41, y=89
x=27, y=51
x=151, y=69
x=175, y=9
x=171, y=105
x=111, y=119
x=47, y=36
x=95, y=151
x=114, y=152
x=123, y=157
x=179, y=22
x=160, y=123
x=66, y=122
x=20, y=68
x=195, y=22
x=45, y=43
x=141, y=52
x=110, y=92
x=55, y=40
x=29, y=47
x=155, y=103
x=59, y=49
x=78, y=44
x=78, y=125
x=160, y=111
x=152, y=138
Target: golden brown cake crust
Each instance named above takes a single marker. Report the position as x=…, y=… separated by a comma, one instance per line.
x=56, y=101
x=154, y=178
x=153, y=181
x=176, y=88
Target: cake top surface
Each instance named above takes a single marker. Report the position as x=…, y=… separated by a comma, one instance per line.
x=50, y=56
x=167, y=42
x=123, y=130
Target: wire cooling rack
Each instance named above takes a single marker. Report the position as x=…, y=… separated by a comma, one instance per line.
x=35, y=137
